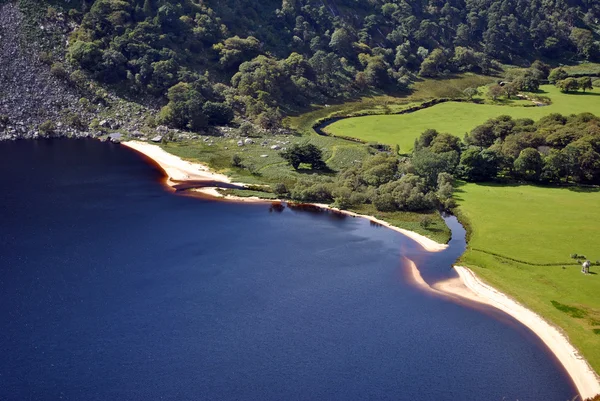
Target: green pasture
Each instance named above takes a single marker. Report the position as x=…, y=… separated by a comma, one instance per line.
x=458, y=118
x=378, y=104
x=521, y=239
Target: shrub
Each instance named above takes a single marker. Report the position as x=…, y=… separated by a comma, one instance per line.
x=59, y=71
x=46, y=58
x=74, y=120
x=385, y=203
x=236, y=160
x=426, y=222
x=280, y=190
x=47, y=128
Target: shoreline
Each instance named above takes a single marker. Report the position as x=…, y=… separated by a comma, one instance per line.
x=467, y=286
x=179, y=171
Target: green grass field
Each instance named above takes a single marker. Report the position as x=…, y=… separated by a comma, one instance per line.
x=539, y=225
x=384, y=104
x=457, y=118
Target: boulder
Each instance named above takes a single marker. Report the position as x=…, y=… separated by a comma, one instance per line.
x=276, y=147
x=115, y=138
x=157, y=138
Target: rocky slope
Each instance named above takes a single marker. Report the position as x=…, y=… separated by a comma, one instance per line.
x=29, y=93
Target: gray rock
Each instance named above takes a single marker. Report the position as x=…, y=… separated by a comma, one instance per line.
x=157, y=138
x=276, y=147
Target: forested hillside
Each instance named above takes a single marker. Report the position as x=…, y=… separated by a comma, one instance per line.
x=214, y=59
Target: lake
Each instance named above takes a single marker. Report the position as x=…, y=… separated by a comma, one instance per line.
x=112, y=288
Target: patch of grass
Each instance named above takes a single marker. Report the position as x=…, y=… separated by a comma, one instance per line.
x=583, y=69
x=596, y=331
x=538, y=224
x=247, y=193
x=384, y=104
x=437, y=231
x=569, y=310
x=457, y=118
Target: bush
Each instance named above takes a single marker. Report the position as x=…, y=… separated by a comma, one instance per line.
x=385, y=203
x=78, y=79
x=426, y=222
x=236, y=160
x=73, y=120
x=306, y=153
x=280, y=190
x=47, y=128
x=59, y=71
x=46, y=58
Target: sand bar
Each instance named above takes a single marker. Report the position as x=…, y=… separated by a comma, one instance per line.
x=177, y=169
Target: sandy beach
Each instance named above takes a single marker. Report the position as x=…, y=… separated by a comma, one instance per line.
x=465, y=287
x=179, y=171
x=468, y=286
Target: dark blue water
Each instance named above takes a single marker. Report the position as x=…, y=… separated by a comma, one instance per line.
x=113, y=289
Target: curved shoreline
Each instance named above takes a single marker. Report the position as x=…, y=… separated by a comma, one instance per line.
x=467, y=286
x=179, y=171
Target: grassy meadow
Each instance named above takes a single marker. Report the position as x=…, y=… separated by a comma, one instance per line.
x=384, y=104
x=458, y=118
x=217, y=152
x=516, y=230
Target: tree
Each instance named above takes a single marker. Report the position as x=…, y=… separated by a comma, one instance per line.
x=429, y=165
x=585, y=83
x=479, y=165
x=471, y=92
x=584, y=41
x=235, y=50
x=510, y=89
x=494, y=92
x=341, y=41
x=568, y=85
x=432, y=65
x=217, y=113
x=529, y=164
x=306, y=153
x=148, y=8
x=557, y=74
x=236, y=160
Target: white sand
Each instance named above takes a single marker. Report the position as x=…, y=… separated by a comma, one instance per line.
x=468, y=286
x=427, y=243
x=177, y=169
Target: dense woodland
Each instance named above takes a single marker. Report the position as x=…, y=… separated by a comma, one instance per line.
x=214, y=59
